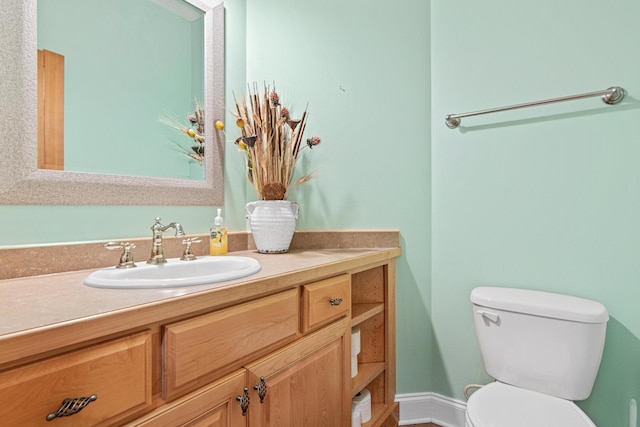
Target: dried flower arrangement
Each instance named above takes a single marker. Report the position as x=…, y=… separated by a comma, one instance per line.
x=194, y=130
x=271, y=142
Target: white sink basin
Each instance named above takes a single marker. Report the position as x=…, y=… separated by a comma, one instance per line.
x=175, y=273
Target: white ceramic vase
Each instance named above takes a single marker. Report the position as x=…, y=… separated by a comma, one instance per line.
x=272, y=224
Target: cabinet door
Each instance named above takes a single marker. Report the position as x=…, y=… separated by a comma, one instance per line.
x=305, y=383
x=212, y=406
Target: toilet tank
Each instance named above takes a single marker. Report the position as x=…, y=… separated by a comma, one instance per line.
x=540, y=341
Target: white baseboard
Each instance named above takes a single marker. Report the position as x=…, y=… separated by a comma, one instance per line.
x=417, y=408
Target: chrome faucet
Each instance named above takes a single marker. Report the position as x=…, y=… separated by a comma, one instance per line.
x=157, y=254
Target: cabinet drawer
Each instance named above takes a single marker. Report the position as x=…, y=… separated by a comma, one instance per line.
x=117, y=372
x=196, y=348
x=325, y=301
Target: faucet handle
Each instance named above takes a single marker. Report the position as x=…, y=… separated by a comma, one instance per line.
x=126, y=259
x=188, y=254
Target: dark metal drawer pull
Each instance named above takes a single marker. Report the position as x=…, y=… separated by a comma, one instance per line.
x=71, y=406
x=335, y=301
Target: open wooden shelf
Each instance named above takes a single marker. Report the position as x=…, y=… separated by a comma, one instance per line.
x=362, y=312
x=367, y=372
x=379, y=413
x=373, y=312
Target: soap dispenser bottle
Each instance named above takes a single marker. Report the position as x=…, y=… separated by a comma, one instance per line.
x=218, y=243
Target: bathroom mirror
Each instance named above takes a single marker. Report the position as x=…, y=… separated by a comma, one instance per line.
x=153, y=49
x=21, y=182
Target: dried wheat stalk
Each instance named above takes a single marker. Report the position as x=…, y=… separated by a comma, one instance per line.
x=271, y=142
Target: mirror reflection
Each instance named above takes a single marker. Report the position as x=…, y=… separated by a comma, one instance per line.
x=118, y=81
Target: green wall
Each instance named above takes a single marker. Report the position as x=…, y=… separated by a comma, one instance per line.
x=543, y=198
x=363, y=69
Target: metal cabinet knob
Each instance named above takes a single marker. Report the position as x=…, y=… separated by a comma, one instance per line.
x=243, y=400
x=261, y=388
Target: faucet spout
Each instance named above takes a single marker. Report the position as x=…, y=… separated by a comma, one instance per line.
x=157, y=250
x=174, y=225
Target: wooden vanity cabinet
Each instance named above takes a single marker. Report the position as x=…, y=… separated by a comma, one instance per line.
x=285, y=349
x=308, y=382
x=302, y=383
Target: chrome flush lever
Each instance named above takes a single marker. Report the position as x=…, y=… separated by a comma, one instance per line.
x=489, y=316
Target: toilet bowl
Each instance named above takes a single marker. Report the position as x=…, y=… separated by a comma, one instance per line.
x=543, y=350
x=503, y=405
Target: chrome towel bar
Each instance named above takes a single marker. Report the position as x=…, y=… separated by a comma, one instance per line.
x=610, y=96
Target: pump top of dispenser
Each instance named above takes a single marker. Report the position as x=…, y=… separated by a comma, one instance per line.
x=218, y=221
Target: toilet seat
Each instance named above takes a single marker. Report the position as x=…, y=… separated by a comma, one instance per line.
x=502, y=405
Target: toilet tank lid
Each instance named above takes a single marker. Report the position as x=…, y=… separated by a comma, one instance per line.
x=540, y=304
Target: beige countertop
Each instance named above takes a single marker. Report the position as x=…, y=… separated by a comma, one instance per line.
x=39, y=301
x=41, y=313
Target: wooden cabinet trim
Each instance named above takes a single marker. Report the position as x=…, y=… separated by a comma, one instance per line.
x=299, y=349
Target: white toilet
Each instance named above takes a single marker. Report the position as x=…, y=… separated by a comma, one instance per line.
x=544, y=351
